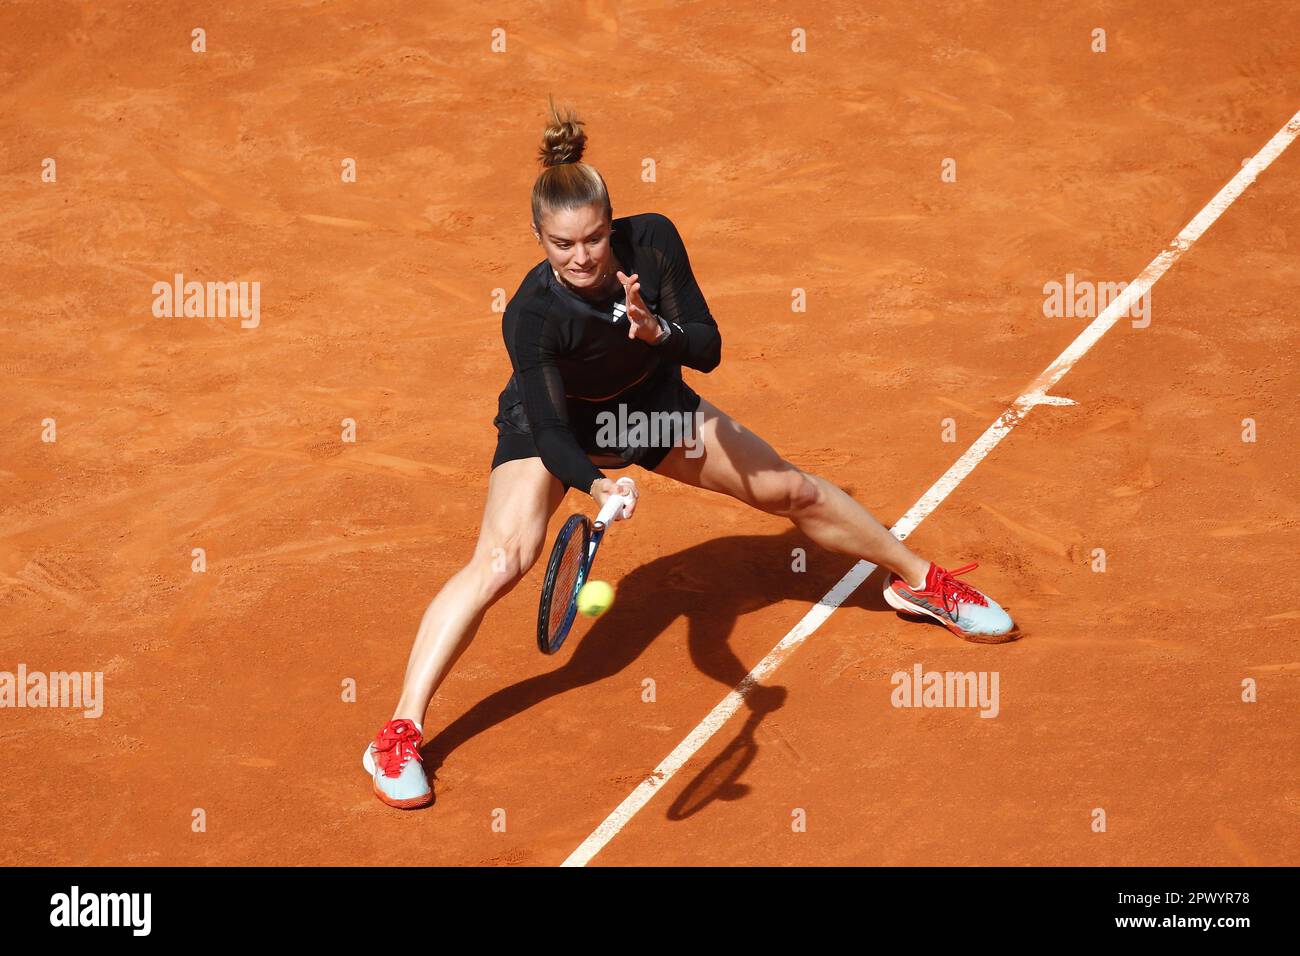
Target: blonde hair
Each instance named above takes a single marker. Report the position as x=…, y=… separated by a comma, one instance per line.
x=566, y=182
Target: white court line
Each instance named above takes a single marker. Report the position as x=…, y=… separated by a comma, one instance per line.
x=1036, y=394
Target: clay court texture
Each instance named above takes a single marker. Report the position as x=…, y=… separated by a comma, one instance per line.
x=1142, y=533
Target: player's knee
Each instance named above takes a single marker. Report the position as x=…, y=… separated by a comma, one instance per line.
x=529, y=549
x=794, y=492
x=505, y=562
x=501, y=571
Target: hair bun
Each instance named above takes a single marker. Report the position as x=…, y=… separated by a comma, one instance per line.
x=563, y=140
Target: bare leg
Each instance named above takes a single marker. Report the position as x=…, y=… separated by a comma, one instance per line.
x=739, y=463
x=522, y=496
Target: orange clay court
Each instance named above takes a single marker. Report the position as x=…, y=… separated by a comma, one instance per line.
x=228, y=734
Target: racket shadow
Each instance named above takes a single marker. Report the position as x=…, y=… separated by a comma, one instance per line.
x=712, y=585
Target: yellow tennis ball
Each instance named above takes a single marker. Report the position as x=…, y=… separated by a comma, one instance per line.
x=594, y=598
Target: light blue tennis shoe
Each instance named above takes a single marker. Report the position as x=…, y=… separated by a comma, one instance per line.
x=956, y=605
x=394, y=763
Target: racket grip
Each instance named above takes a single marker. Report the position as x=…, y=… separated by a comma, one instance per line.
x=612, y=508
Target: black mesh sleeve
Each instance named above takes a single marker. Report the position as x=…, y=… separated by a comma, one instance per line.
x=530, y=340
x=695, y=341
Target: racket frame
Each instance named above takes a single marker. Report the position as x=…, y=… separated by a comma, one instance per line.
x=592, y=535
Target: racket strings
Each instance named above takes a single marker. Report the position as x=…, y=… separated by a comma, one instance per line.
x=566, y=583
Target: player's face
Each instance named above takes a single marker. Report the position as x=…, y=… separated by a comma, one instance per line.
x=577, y=244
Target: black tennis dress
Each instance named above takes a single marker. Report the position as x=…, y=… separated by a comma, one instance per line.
x=573, y=360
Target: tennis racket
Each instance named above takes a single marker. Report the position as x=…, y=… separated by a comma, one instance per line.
x=571, y=559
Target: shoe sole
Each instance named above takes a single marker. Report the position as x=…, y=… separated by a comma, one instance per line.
x=414, y=803
x=900, y=603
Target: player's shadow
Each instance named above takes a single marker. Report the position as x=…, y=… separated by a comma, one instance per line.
x=711, y=585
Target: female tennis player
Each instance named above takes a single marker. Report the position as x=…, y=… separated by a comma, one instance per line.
x=609, y=319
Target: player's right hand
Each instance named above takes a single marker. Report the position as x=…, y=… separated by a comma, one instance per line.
x=602, y=488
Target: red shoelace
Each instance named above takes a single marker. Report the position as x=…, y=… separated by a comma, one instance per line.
x=951, y=591
x=397, y=743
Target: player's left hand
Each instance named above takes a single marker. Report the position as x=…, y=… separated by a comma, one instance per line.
x=641, y=324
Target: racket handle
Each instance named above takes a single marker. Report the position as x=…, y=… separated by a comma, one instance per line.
x=613, y=506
